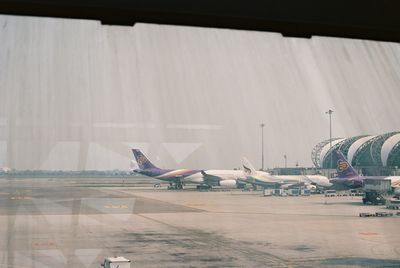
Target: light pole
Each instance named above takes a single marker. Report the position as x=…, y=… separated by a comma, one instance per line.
x=285, y=156
x=262, y=125
x=330, y=112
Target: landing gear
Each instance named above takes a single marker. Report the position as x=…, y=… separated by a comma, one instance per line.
x=203, y=187
x=179, y=185
x=175, y=186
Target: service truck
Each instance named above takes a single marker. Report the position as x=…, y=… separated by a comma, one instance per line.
x=116, y=262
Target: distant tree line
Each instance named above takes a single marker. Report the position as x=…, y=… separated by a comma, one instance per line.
x=67, y=173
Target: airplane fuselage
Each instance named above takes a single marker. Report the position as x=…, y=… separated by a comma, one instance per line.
x=348, y=183
x=266, y=180
x=168, y=174
x=358, y=181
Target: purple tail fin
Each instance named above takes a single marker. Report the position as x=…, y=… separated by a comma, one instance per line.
x=142, y=160
x=343, y=167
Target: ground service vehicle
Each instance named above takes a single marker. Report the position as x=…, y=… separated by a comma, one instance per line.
x=373, y=198
x=330, y=193
x=393, y=203
x=116, y=262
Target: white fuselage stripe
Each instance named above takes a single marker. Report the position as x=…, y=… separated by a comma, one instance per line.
x=176, y=172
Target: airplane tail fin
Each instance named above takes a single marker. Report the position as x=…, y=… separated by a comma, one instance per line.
x=142, y=160
x=248, y=167
x=343, y=167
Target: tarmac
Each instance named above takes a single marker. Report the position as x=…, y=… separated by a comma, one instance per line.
x=78, y=222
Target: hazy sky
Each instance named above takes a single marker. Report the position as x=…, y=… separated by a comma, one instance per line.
x=77, y=95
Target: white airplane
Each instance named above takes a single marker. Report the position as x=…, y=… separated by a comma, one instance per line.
x=179, y=177
x=223, y=178
x=5, y=169
x=395, y=180
x=266, y=180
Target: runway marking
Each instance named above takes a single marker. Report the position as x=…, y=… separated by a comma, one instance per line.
x=116, y=206
x=44, y=244
x=274, y=261
x=20, y=198
x=16, y=266
x=368, y=233
x=195, y=205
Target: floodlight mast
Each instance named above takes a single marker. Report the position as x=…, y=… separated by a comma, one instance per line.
x=330, y=112
x=262, y=125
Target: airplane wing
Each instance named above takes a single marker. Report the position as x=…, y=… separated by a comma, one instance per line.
x=210, y=179
x=266, y=184
x=263, y=182
x=291, y=185
x=307, y=179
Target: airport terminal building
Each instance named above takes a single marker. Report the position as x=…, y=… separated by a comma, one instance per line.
x=373, y=154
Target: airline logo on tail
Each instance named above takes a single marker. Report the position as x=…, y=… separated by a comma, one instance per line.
x=343, y=168
x=141, y=160
x=342, y=165
x=246, y=170
x=248, y=167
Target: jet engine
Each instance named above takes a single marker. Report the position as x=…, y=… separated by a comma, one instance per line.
x=228, y=184
x=397, y=191
x=311, y=187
